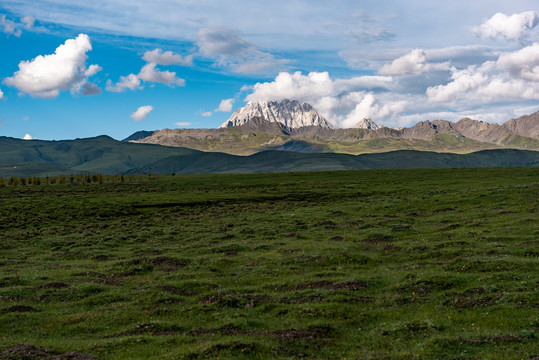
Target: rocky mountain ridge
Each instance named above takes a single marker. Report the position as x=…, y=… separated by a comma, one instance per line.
x=294, y=126
x=258, y=134
x=290, y=113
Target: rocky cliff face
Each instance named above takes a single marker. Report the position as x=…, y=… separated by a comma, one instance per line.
x=527, y=125
x=367, y=124
x=290, y=113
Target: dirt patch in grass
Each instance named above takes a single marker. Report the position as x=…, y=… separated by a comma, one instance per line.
x=413, y=214
x=328, y=285
x=25, y=351
x=336, y=238
x=442, y=210
x=303, y=300
x=471, y=298
x=168, y=261
x=52, y=285
x=175, y=290
x=327, y=224
x=29, y=352
x=492, y=339
x=19, y=309
x=283, y=335
x=150, y=329
x=288, y=251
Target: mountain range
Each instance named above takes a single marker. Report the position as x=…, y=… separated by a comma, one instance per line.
x=105, y=155
x=290, y=124
x=295, y=138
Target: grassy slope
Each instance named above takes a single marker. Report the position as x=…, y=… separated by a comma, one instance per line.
x=281, y=161
x=380, y=264
x=106, y=155
x=99, y=154
x=234, y=141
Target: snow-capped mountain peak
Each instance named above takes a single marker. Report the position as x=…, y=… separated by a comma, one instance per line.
x=290, y=113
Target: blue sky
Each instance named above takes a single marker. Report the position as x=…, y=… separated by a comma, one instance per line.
x=75, y=68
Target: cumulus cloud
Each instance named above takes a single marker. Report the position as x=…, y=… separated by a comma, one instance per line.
x=230, y=50
x=28, y=22
x=141, y=113
x=10, y=27
x=343, y=102
x=226, y=105
x=463, y=80
x=157, y=56
x=151, y=74
x=293, y=86
x=129, y=82
x=15, y=28
x=503, y=27
x=415, y=62
x=523, y=63
x=88, y=89
x=45, y=76
x=183, y=124
x=513, y=76
x=29, y=137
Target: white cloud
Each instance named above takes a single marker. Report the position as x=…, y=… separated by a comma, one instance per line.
x=28, y=22
x=13, y=28
x=523, y=63
x=129, y=82
x=9, y=26
x=183, y=124
x=207, y=113
x=159, y=57
x=343, y=102
x=463, y=81
x=225, y=105
x=230, y=50
x=499, y=88
x=1, y=94
x=503, y=27
x=415, y=62
x=29, y=137
x=364, y=82
x=141, y=113
x=66, y=69
x=513, y=77
x=293, y=86
x=151, y=74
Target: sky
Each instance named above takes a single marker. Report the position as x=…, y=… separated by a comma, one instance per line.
x=75, y=69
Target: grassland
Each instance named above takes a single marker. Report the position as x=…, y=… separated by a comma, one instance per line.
x=369, y=264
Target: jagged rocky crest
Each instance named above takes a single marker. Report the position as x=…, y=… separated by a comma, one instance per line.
x=290, y=125
x=367, y=124
x=290, y=113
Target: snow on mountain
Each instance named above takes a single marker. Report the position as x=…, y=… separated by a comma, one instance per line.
x=367, y=124
x=290, y=113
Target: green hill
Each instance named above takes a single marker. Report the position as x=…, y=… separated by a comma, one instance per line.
x=105, y=155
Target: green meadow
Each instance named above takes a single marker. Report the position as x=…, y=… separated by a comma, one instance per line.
x=365, y=264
